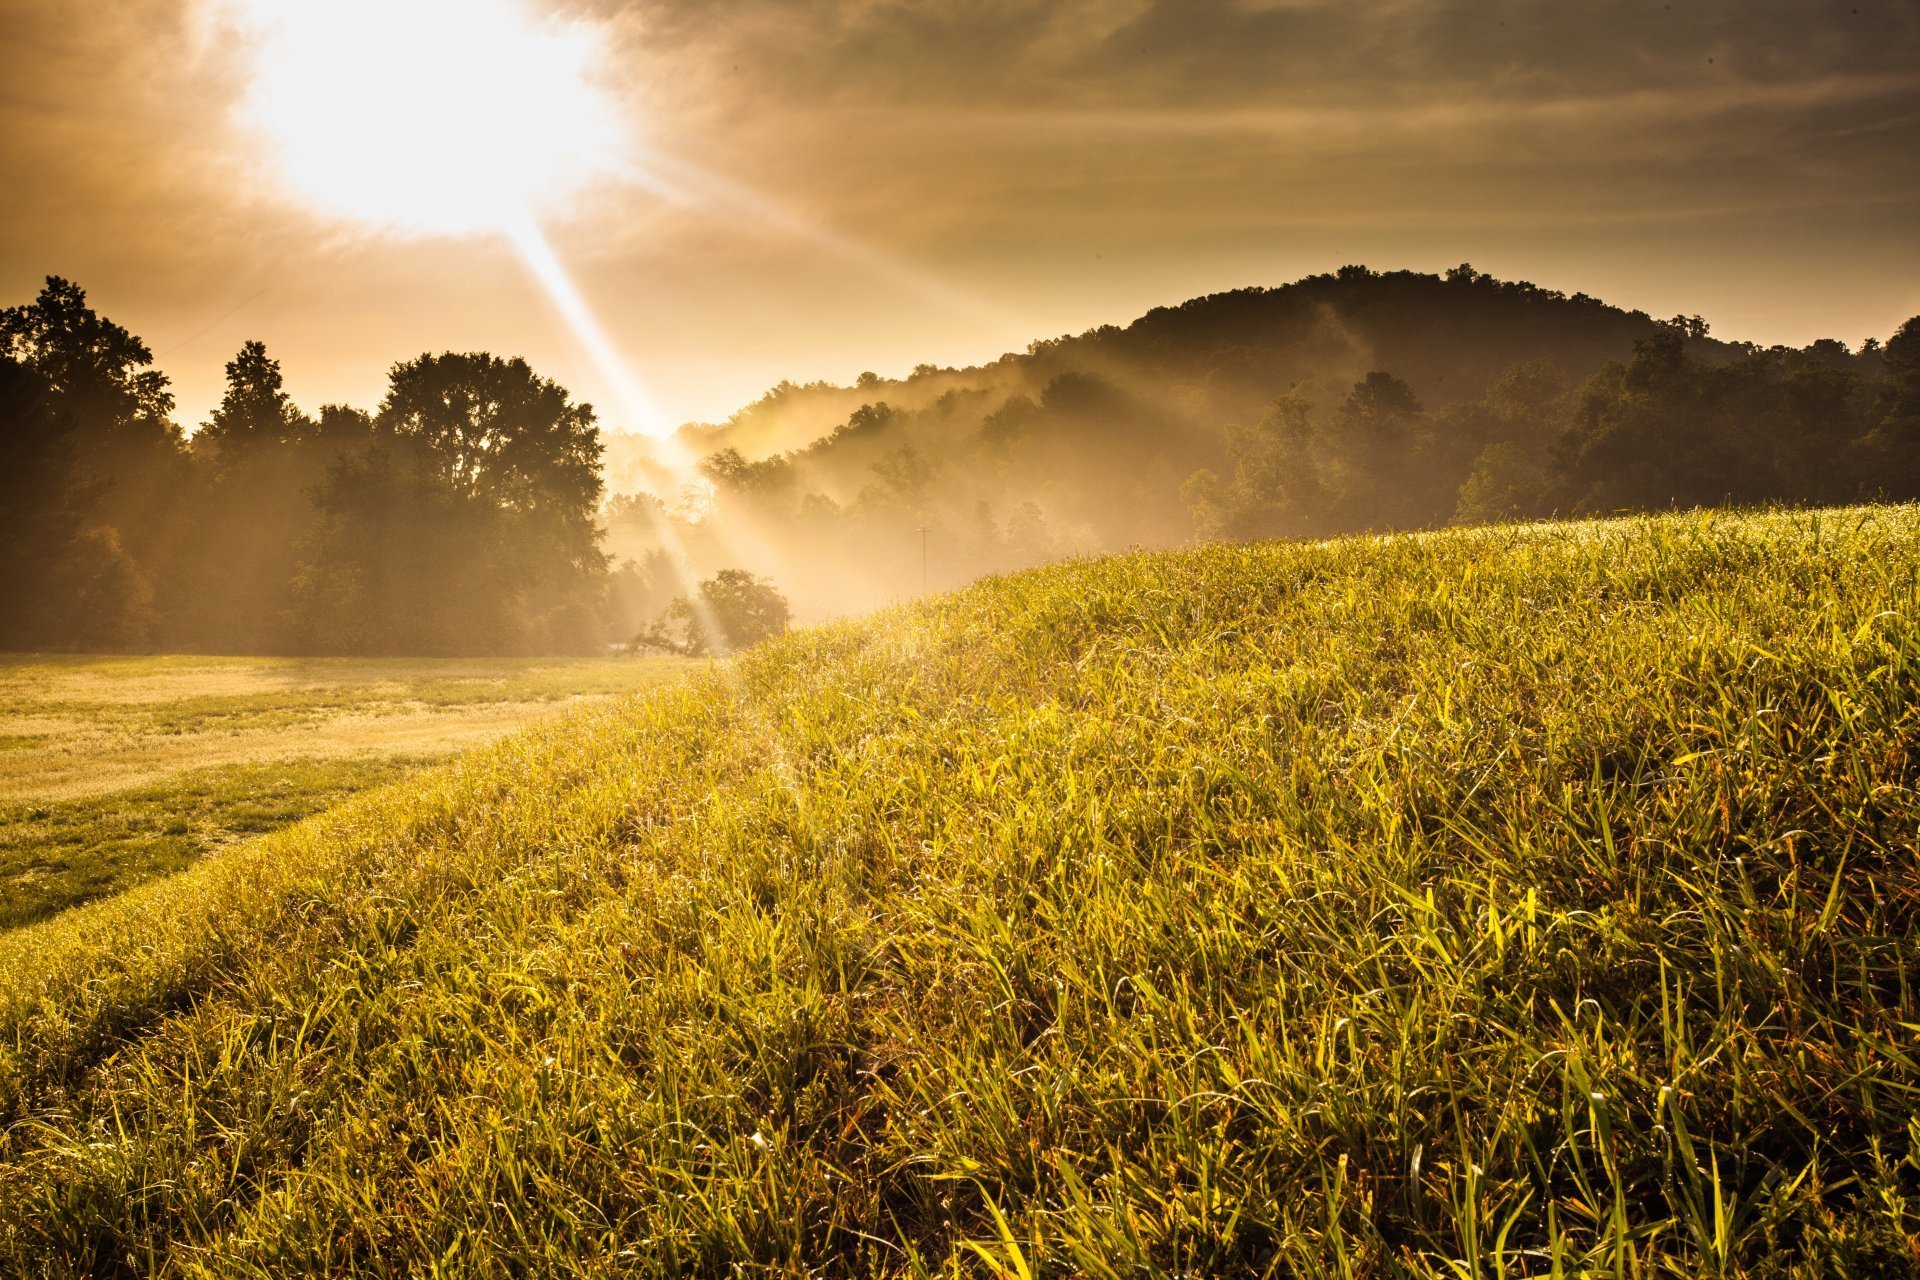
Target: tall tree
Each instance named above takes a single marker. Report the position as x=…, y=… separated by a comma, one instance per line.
x=95, y=370
x=494, y=429
x=262, y=458
x=1379, y=452
x=63, y=584
x=1893, y=445
x=130, y=456
x=255, y=412
x=470, y=527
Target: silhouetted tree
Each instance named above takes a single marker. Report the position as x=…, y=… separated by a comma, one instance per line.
x=1502, y=442
x=1777, y=425
x=111, y=606
x=1379, y=468
x=1891, y=447
x=47, y=559
x=255, y=412
x=469, y=527
x=342, y=427
x=1635, y=440
x=97, y=378
x=400, y=563
x=95, y=370
x=262, y=460
x=494, y=430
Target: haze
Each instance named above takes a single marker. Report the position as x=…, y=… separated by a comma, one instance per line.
x=850, y=185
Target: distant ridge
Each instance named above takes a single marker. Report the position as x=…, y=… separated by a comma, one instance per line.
x=1448, y=336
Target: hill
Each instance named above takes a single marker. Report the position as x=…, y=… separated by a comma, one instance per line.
x=1355, y=401
x=1511, y=901
x=1230, y=354
x=1082, y=443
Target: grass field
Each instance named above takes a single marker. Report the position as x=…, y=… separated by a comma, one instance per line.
x=116, y=770
x=1513, y=902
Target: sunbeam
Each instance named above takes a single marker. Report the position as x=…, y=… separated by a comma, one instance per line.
x=731, y=197
x=537, y=254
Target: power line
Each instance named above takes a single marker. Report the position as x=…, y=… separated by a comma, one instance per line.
x=228, y=315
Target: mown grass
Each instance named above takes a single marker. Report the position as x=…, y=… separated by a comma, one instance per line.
x=1517, y=902
x=135, y=767
x=55, y=855
x=108, y=703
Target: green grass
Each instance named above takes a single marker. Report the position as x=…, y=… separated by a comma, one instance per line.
x=1517, y=902
x=58, y=854
x=132, y=768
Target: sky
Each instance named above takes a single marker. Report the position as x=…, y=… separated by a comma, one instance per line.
x=737, y=192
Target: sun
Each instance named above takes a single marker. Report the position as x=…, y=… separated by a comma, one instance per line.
x=434, y=117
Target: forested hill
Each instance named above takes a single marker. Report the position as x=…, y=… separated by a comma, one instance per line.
x=1229, y=354
x=1341, y=403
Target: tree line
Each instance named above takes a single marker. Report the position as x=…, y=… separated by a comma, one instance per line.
x=467, y=513
x=460, y=517
x=1662, y=429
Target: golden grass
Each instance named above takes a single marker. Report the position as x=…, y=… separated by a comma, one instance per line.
x=1525, y=902
x=91, y=763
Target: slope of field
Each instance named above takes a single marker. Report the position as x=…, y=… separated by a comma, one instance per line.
x=1527, y=901
x=114, y=771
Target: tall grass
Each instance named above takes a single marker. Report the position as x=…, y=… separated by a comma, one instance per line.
x=1518, y=902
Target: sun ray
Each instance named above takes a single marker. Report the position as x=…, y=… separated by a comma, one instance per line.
x=739, y=544
x=737, y=199
x=537, y=254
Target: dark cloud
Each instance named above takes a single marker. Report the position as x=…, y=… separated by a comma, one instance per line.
x=1226, y=52
x=1680, y=106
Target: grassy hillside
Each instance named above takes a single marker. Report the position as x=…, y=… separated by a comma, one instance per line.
x=1534, y=901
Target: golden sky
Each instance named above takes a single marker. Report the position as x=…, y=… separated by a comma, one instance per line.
x=811, y=188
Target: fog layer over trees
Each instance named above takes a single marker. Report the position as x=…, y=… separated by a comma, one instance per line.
x=467, y=513
x=1343, y=403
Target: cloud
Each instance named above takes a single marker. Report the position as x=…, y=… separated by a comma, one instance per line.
x=928, y=116
x=1237, y=52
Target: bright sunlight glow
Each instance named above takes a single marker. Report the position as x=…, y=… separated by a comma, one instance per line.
x=439, y=117
x=537, y=254
x=476, y=117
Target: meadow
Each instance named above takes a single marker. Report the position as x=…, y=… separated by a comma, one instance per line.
x=114, y=771
x=1519, y=901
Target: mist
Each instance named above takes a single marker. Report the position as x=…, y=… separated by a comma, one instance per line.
x=1347, y=402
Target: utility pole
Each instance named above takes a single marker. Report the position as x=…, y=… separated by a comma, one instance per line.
x=923, y=559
